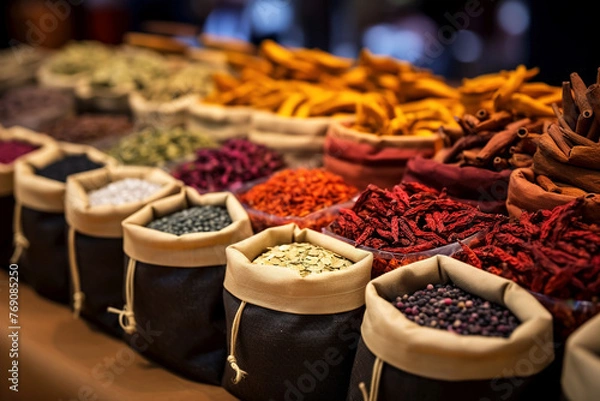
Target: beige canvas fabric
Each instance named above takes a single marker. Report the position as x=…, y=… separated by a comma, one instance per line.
x=190, y=250
x=23, y=135
x=219, y=122
x=165, y=115
x=289, y=134
x=581, y=369
x=285, y=290
x=340, y=129
x=438, y=354
x=113, y=100
x=47, y=78
x=105, y=220
x=525, y=194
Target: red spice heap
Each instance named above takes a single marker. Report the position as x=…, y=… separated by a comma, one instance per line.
x=298, y=192
x=12, y=150
x=552, y=252
x=410, y=217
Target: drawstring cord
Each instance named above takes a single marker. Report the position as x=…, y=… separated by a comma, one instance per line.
x=126, y=315
x=78, y=295
x=20, y=241
x=375, y=378
x=239, y=373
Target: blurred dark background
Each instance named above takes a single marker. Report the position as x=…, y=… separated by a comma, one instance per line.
x=454, y=38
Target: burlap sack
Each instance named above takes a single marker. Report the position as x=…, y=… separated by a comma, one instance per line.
x=47, y=78
x=400, y=360
x=219, y=122
x=291, y=337
x=160, y=114
x=7, y=200
x=479, y=187
x=580, y=169
x=525, y=194
x=178, y=285
x=95, y=240
x=39, y=220
x=582, y=363
x=105, y=100
x=301, y=141
x=363, y=158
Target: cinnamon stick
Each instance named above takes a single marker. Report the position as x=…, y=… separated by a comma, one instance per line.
x=522, y=132
x=471, y=120
x=593, y=96
x=520, y=160
x=469, y=158
x=583, y=125
x=500, y=163
x=526, y=145
x=496, y=120
x=594, y=131
x=464, y=143
x=557, y=135
x=501, y=140
x=536, y=126
x=575, y=138
x=482, y=114
x=467, y=129
x=568, y=104
x=547, y=184
x=580, y=89
x=561, y=118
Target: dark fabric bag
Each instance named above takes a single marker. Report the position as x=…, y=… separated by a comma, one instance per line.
x=95, y=241
x=40, y=227
x=399, y=360
x=291, y=337
x=179, y=296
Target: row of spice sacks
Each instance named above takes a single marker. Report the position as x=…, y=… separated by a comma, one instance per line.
x=513, y=285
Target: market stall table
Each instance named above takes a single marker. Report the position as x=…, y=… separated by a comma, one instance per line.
x=62, y=358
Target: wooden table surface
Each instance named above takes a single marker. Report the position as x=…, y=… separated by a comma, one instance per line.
x=62, y=358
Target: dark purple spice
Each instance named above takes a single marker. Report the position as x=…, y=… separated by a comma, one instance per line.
x=72, y=164
x=12, y=150
x=236, y=162
x=447, y=307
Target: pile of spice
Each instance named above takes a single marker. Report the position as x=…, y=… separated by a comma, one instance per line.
x=153, y=146
x=79, y=57
x=193, y=79
x=406, y=219
x=554, y=253
x=236, y=162
x=303, y=257
x=296, y=193
x=123, y=191
x=448, y=307
x=12, y=150
x=196, y=219
x=32, y=106
x=90, y=128
x=61, y=169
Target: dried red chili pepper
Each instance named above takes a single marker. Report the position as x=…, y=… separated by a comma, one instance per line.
x=550, y=252
x=408, y=218
x=304, y=196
